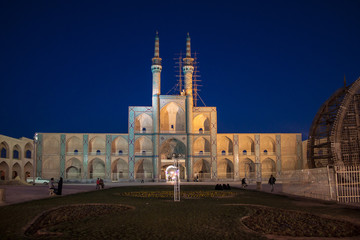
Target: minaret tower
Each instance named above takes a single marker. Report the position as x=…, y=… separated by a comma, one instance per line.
x=188, y=69
x=156, y=71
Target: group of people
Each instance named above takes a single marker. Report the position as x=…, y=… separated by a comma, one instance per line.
x=222, y=187
x=99, y=184
x=52, y=189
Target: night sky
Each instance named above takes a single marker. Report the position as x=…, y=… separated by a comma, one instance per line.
x=76, y=66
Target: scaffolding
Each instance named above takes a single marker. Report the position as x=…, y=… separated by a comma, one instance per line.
x=334, y=137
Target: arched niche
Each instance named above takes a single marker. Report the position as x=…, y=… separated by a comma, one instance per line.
x=73, y=168
x=268, y=167
x=143, y=169
x=119, y=169
x=246, y=144
x=28, y=170
x=172, y=118
x=224, y=146
x=51, y=146
x=96, y=169
x=119, y=146
x=28, y=150
x=16, y=171
x=4, y=149
x=143, y=146
x=143, y=123
x=97, y=145
x=201, y=124
x=74, y=143
x=247, y=168
x=201, y=146
x=16, y=154
x=202, y=169
x=4, y=171
x=170, y=147
x=267, y=144
x=225, y=168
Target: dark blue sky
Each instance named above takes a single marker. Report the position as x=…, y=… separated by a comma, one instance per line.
x=76, y=66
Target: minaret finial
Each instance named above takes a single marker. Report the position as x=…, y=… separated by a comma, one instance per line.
x=188, y=47
x=156, y=52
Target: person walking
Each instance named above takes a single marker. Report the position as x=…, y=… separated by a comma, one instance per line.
x=272, y=181
x=243, y=183
x=51, y=187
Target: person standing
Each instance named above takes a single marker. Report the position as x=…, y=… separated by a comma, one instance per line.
x=51, y=187
x=272, y=181
x=60, y=183
x=98, y=184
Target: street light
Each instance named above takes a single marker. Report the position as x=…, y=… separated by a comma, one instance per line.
x=36, y=138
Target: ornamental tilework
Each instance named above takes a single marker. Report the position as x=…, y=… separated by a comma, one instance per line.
x=213, y=140
x=62, y=155
x=85, y=154
x=39, y=155
x=257, y=158
x=108, y=156
x=236, y=157
x=278, y=154
x=131, y=143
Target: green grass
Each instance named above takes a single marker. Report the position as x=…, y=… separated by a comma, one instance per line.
x=161, y=218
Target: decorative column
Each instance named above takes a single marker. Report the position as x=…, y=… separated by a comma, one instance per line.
x=257, y=161
x=108, y=157
x=131, y=143
x=278, y=155
x=236, y=157
x=39, y=155
x=85, y=156
x=188, y=70
x=299, y=152
x=156, y=73
x=213, y=140
x=62, y=155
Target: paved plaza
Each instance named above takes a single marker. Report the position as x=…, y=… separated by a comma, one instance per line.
x=23, y=193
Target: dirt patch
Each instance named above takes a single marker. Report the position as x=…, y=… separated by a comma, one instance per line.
x=39, y=226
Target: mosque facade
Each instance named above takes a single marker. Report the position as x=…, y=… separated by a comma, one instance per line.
x=168, y=130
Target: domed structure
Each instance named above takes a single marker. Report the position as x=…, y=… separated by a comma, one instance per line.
x=335, y=132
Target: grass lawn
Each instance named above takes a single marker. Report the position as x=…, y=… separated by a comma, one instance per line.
x=148, y=212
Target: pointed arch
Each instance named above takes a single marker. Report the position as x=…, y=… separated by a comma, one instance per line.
x=201, y=146
x=119, y=169
x=202, y=169
x=119, y=146
x=74, y=145
x=172, y=118
x=201, y=124
x=97, y=145
x=96, y=169
x=4, y=149
x=143, y=169
x=28, y=150
x=171, y=146
x=267, y=144
x=268, y=167
x=4, y=171
x=247, y=168
x=73, y=168
x=143, y=146
x=246, y=144
x=16, y=154
x=28, y=170
x=225, y=168
x=51, y=146
x=225, y=145
x=143, y=123
x=16, y=171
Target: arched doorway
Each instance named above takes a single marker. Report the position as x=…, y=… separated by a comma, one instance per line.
x=119, y=170
x=4, y=171
x=73, y=169
x=268, y=167
x=143, y=169
x=97, y=169
x=202, y=169
x=16, y=171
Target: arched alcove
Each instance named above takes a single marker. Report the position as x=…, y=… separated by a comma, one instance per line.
x=119, y=169
x=73, y=144
x=143, y=146
x=172, y=118
x=96, y=169
x=97, y=144
x=143, y=169
x=247, y=168
x=201, y=146
x=170, y=147
x=268, y=167
x=225, y=168
x=202, y=169
x=224, y=146
x=119, y=146
x=143, y=123
x=201, y=124
x=73, y=168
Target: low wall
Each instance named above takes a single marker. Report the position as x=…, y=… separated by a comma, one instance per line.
x=315, y=183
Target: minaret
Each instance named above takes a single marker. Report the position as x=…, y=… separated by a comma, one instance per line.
x=156, y=70
x=188, y=69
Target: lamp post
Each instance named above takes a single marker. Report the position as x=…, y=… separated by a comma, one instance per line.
x=177, y=177
x=36, y=138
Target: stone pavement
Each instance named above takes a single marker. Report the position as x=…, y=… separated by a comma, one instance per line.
x=23, y=193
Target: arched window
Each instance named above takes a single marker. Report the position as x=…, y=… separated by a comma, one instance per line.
x=201, y=153
x=201, y=131
x=76, y=152
x=3, y=153
x=28, y=154
x=143, y=152
x=98, y=152
x=16, y=154
x=144, y=130
x=265, y=152
x=172, y=126
x=120, y=152
x=244, y=152
x=223, y=152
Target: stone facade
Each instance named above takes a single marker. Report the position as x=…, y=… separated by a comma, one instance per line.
x=172, y=125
